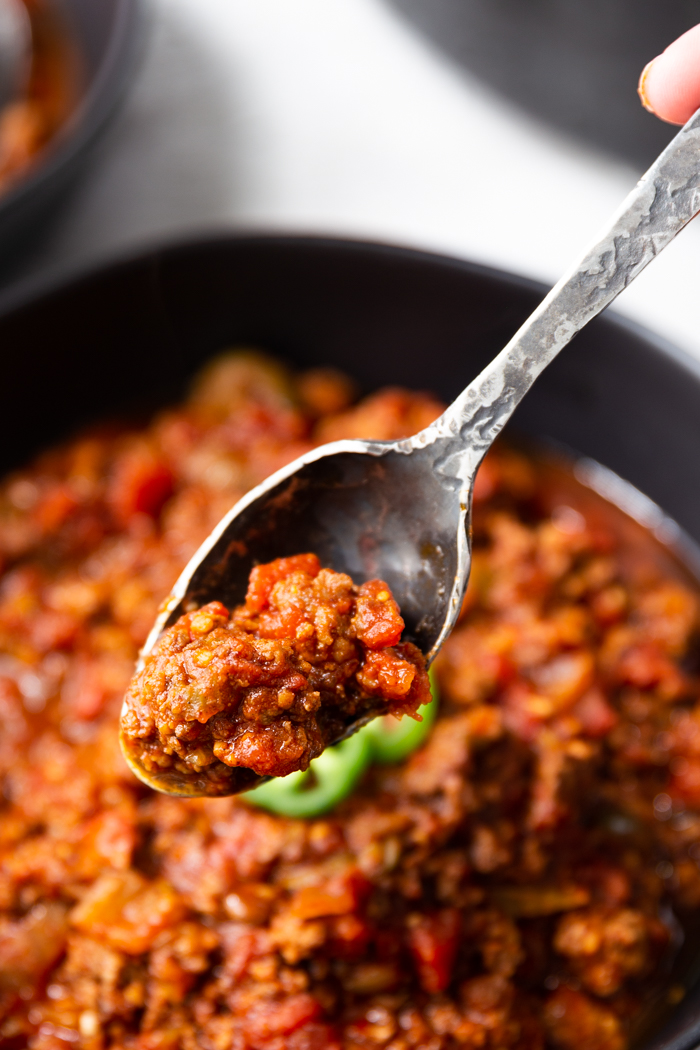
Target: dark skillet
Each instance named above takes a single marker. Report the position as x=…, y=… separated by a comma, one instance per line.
x=129, y=336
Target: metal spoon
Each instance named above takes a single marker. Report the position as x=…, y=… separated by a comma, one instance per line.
x=15, y=50
x=401, y=510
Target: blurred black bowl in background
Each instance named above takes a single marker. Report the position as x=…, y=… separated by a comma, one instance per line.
x=105, y=36
x=572, y=63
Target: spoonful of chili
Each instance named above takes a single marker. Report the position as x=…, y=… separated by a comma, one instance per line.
x=395, y=515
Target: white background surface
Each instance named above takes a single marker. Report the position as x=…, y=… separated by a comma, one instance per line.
x=335, y=116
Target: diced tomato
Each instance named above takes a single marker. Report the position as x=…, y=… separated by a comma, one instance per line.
x=433, y=942
x=281, y=1017
x=315, y=903
x=387, y=674
x=264, y=577
x=377, y=620
x=141, y=484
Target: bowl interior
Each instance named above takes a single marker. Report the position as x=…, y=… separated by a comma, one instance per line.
x=128, y=337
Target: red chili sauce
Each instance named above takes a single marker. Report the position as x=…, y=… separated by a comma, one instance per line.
x=520, y=882
x=272, y=684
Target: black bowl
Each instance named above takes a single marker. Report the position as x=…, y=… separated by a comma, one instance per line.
x=106, y=35
x=130, y=335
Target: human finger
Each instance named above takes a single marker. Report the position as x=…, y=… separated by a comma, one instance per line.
x=669, y=85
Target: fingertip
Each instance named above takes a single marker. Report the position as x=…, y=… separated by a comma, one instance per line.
x=669, y=85
x=642, y=87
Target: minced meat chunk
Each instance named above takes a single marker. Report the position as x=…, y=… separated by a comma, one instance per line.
x=271, y=684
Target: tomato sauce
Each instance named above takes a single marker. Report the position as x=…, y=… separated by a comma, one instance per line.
x=521, y=881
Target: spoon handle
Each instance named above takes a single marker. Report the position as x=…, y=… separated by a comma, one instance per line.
x=665, y=199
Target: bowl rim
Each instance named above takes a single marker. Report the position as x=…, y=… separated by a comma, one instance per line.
x=32, y=288
x=108, y=86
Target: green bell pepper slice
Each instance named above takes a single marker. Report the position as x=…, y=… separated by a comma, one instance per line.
x=394, y=739
x=326, y=782
x=332, y=776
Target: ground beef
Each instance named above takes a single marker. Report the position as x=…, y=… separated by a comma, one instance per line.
x=519, y=882
x=270, y=685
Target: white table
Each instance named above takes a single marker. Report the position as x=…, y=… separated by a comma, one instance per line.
x=334, y=116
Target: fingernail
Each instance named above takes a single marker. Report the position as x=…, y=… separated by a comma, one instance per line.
x=641, y=87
